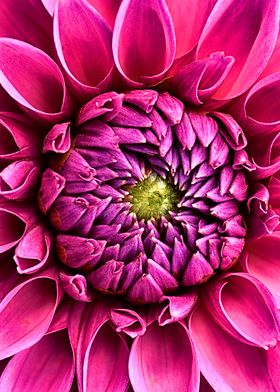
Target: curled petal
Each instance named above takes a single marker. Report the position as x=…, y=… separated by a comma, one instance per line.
x=228, y=301
x=258, y=111
x=17, y=139
x=12, y=227
x=47, y=366
x=176, y=308
x=26, y=313
x=58, y=139
x=163, y=359
x=128, y=321
x=33, y=250
x=226, y=362
x=34, y=80
x=76, y=287
x=199, y=80
x=260, y=30
x=19, y=179
x=145, y=50
x=79, y=30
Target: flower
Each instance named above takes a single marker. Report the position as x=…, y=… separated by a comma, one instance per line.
x=139, y=187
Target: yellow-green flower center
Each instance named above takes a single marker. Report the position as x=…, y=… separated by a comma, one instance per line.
x=153, y=197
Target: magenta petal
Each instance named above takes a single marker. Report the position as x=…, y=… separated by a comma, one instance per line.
x=76, y=287
x=18, y=180
x=176, y=308
x=26, y=313
x=12, y=227
x=145, y=50
x=258, y=110
x=227, y=364
x=26, y=27
x=263, y=261
x=189, y=18
x=58, y=139
x=79, y=32
x=34, y=80
x=105, y=366
x=228, y=301
x=33, y=251
x=128, y=321
x=250, y=54
x=163, y=360
x=47, y=366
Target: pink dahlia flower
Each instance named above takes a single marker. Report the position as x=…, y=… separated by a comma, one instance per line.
x=139, y=195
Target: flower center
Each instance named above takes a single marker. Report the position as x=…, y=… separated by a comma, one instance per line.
x=148, y=197
x=153, y=198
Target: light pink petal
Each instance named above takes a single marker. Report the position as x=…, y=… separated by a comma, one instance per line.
x=163, y=360
x=26, y=313
x=19, y=20
x=105, y=362
x=143, y=41
x=258, y=21
x=245, y=308
x=227, y=364
x=264, y=263
x=189, y=18
x=80, y=33
x=46, y=367
x=34, y=80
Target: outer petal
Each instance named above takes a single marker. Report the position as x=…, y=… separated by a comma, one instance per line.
x=47, y=366
x=163, y=360
x=96, y=344
x=189, y=18
x=244, y=308
x=83, y=43
x=27, y=21
x=229, y=18
x=227, y=364
x=107, y=8
x=258, y=111
x=143, y=50
x=264, y=263
x=26, y=313
x=34, y=80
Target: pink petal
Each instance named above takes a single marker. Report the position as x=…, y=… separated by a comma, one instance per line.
x=128, y=321
x=47, y=366
x=19, y=179
x=145, y=50
x=258, y=111
x=79, y=30
x=250, y=54
x=245, y=308
x=33, y=79
x=198, y=81
x=176, y=308
x=264, y=263
x=189, y=18
x=19, y=20
x=273, y=360
x=105, y=364
x=163, y=360
x=76, y=287
x=33, y=251
x=26, y=313
x=17, y=139
x=227, y=364
x=12, y=227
